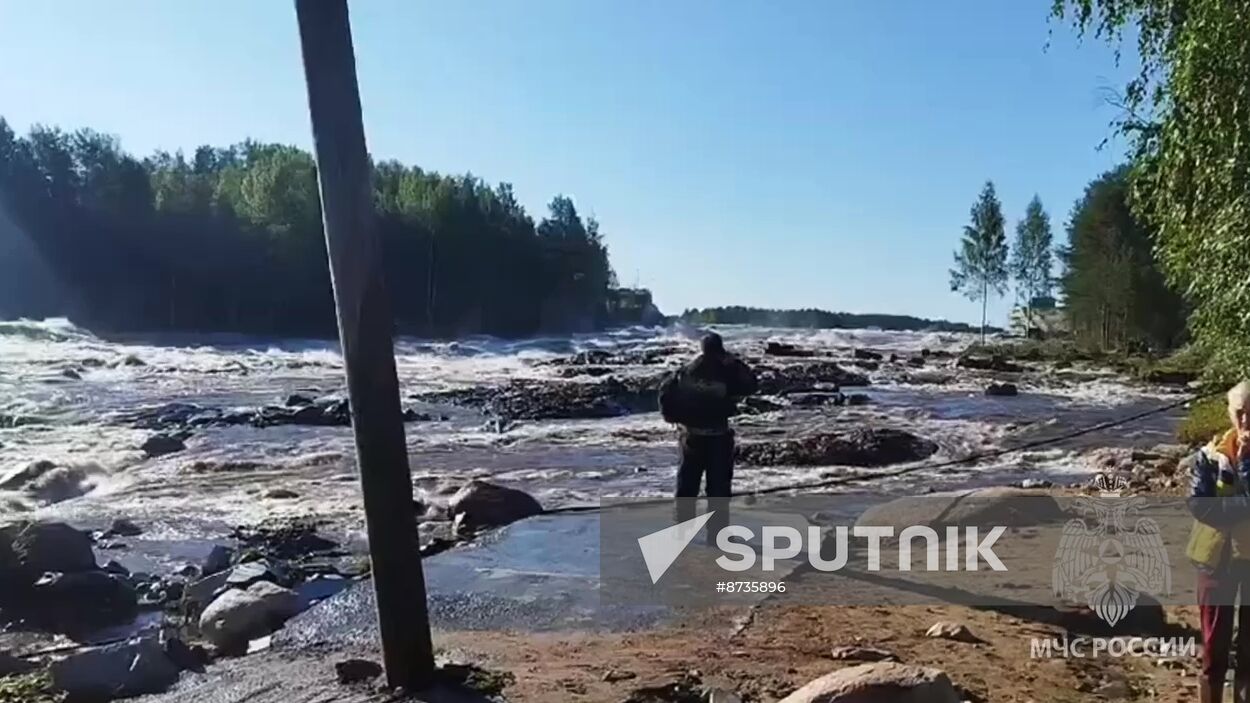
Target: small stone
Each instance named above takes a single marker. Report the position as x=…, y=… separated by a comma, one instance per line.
x=862, y=654
x=952, y=631
x=1002, y=389
x=356, y=670
x=71, y=374
x=613, y=675
x=122, y=527
x=281, y=494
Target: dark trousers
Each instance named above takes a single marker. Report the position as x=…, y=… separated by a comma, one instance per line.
x=710, y=456
x=1216, y=594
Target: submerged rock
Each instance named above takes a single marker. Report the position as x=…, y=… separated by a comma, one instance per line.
x=237, y=616
x=861, y=447
x=23, y=476
x=783, y=349
x=161, y=444
x=559, y=400
x=481, y=504
x=62, y=483
x=866, y=355
x=881, y=682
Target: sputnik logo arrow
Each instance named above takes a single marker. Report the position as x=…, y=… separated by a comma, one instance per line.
x=662, y=547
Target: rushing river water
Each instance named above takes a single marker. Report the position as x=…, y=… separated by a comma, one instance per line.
x=65, y=390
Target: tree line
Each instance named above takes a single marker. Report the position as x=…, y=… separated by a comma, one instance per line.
x=229, y=239
x=1186, y=118
x=813, y=318
x=1114, y=293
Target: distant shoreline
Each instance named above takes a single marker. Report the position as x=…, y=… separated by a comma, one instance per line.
x=813, y=318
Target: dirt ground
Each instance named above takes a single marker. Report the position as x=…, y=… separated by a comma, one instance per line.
x=781, y=649
x=761, y=655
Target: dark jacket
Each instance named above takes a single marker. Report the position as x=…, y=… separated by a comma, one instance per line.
x=716, y=383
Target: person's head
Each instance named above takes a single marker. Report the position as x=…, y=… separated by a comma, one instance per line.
x=712, y=344
x=1239, y=406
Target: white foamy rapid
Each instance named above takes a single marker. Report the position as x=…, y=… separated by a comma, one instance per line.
x=64, y=392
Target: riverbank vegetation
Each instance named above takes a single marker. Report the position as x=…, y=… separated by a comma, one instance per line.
x=229, y=239
x=1187, y=121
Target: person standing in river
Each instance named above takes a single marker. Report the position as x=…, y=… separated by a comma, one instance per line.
x=700, y=397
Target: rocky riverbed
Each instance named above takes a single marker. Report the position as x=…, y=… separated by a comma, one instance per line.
x=212, y=481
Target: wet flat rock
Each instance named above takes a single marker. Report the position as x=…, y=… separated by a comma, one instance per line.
x=861, y=447
x=806, y=376
x=559, y=400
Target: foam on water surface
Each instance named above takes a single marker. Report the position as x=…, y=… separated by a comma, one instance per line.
x=70, y=387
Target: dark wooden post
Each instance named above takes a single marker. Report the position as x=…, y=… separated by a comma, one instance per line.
x=365, y=326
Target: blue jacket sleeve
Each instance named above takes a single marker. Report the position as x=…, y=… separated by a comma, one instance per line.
x=1205, y=506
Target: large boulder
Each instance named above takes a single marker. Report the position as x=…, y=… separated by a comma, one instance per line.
x=559, y=400
x=997, y=505
x=162, y=444
x=881, y=682
x=481, y=504
x=861, y=447
x=237, y=616
x=807, y=376
x=28, y=549
x=124, y=669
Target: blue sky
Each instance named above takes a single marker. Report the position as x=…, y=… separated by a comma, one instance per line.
x=800, y=154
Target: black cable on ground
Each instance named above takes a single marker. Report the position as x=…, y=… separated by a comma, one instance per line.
x=969, y=459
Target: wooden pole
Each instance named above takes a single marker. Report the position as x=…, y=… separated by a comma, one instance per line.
x=365, y=326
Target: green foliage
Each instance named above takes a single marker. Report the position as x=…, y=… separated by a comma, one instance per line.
x=981, y=260
x=1187, y=115
x=230, y=239
x=1206, y=419
x=812, y=318
x=1031, y=256
x=34, y=687
x=1116, y=296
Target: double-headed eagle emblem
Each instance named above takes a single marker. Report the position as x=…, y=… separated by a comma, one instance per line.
x=1114, y=557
